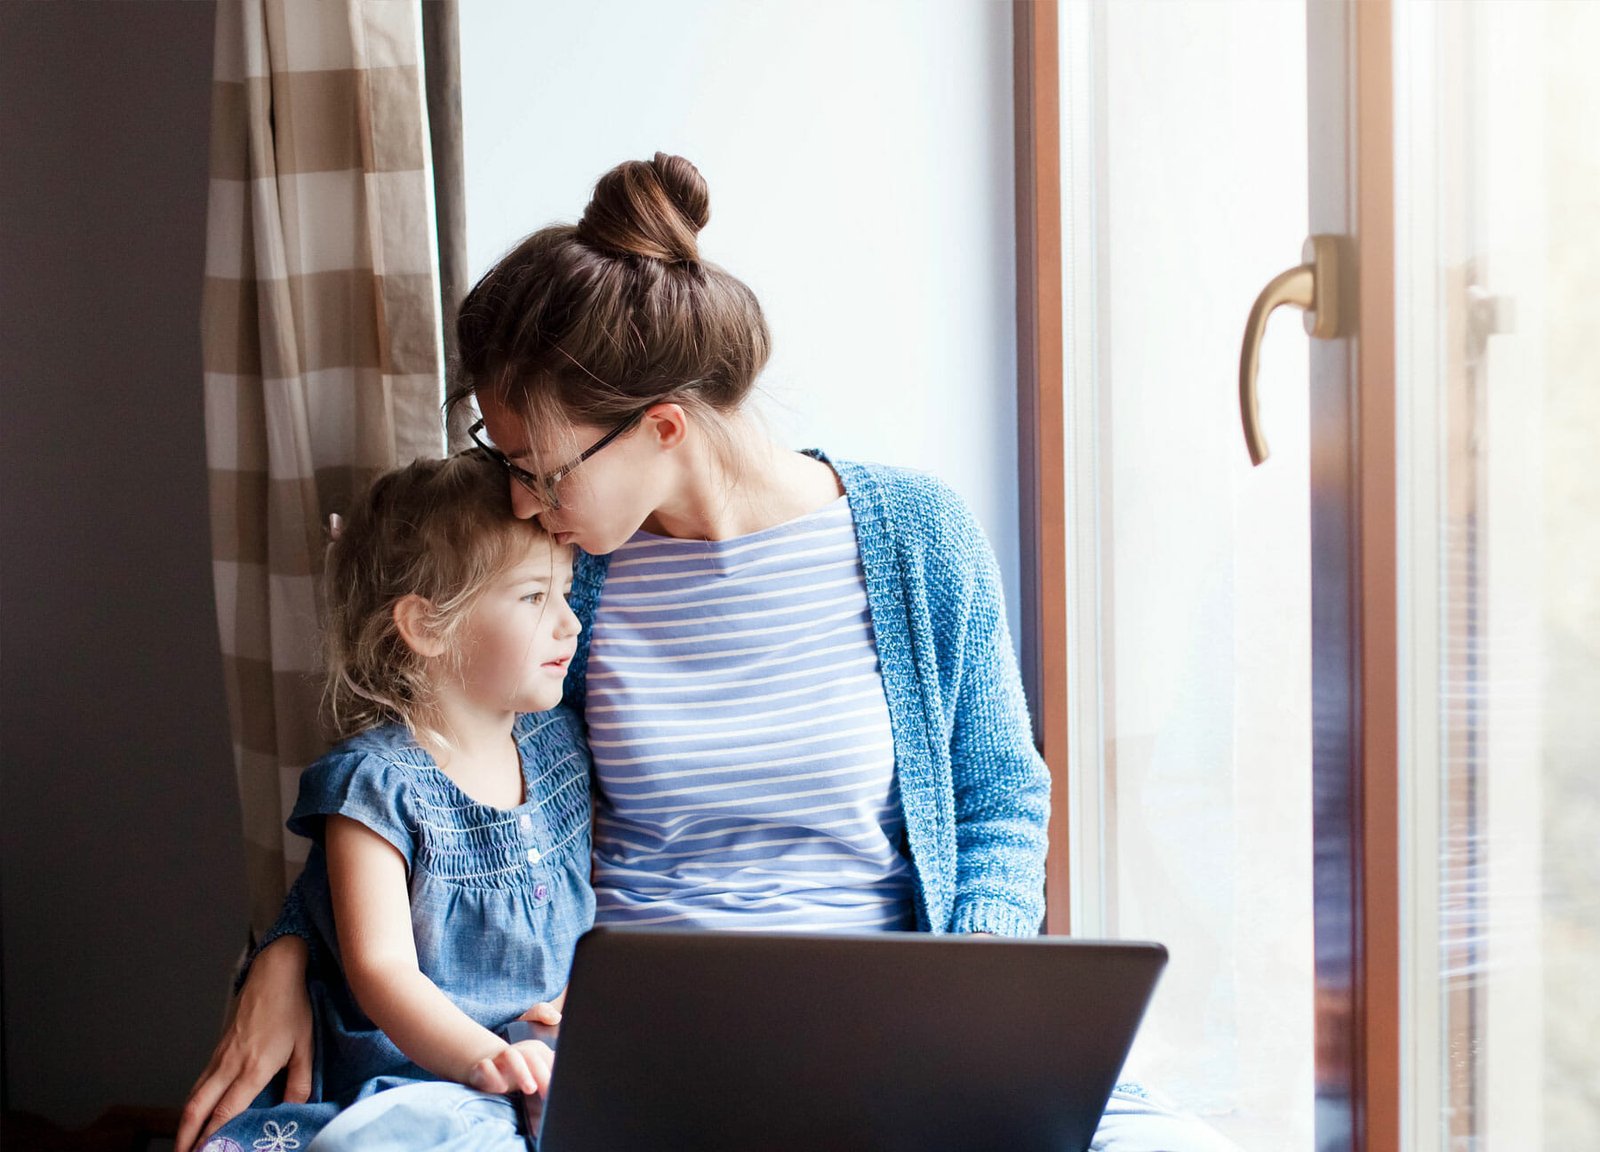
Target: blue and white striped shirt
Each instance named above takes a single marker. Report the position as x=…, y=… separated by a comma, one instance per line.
x=741, y=736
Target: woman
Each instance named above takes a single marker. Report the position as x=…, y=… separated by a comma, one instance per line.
x=800, y=689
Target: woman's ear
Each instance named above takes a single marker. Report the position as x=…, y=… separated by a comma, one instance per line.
x=668, y=424
x=411, y=613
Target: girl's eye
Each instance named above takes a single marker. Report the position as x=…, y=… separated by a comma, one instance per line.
x=534, y=598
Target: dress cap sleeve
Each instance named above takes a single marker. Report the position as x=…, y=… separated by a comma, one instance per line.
x=364, y=786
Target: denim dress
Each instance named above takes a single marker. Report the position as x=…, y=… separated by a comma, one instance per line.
x=499, y=897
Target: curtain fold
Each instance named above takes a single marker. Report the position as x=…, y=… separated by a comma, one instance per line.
x=322, y=351
x=441, y=50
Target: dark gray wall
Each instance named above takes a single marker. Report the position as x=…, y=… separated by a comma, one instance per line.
x=121, y=875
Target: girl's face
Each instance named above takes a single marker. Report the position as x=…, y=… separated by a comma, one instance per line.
x=520, y=635
x=604, y=500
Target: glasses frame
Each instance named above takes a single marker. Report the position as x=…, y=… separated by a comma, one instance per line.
x=543, y=487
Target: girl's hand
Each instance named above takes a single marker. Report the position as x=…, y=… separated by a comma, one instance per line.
x=523, y=1067
x=269, y=1028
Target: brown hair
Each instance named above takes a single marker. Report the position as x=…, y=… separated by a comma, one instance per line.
x=590, y=323
x=438, y=529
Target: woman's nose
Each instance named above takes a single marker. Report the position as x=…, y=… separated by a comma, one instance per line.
x=524, y=505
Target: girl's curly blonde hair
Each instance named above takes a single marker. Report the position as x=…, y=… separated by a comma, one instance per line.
x=439, y=529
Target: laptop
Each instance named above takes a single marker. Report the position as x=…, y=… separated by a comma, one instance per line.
x=747, y=1041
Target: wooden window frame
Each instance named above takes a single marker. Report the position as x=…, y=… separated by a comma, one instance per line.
x=1041, y=431
x=1368, y=1039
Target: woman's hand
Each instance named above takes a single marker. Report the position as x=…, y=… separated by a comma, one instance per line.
x=522, y=1067
x=547, y=1011
x=268, y=1029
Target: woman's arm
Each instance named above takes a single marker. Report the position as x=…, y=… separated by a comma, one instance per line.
x=1000, y=783
x=293, y=920
x=372, y=914
x=268, y=1028
x=1002, y=790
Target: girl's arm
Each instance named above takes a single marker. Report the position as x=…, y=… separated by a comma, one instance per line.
x=372, y=914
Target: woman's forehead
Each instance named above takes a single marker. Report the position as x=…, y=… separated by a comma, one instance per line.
x=509, y=430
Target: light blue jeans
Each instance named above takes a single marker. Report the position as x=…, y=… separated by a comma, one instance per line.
x=455, y=1118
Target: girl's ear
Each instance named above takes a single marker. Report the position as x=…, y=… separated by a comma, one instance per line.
x=411, y=614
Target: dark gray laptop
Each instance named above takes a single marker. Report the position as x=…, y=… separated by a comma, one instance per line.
x=744, y=1041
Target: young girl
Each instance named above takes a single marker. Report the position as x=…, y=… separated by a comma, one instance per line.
x=448, y=876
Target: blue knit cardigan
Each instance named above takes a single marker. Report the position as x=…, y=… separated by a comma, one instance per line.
x=976, y=794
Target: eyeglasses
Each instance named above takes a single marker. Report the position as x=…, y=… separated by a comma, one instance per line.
x=543, y=488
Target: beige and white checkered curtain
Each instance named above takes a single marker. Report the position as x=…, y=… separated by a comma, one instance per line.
x=322, y=349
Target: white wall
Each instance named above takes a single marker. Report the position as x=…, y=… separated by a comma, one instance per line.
x=859, y=157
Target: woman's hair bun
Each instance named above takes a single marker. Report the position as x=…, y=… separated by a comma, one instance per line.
x=652, y=208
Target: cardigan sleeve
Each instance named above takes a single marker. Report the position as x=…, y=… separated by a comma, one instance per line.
x=294, y=919
x=1000, y=783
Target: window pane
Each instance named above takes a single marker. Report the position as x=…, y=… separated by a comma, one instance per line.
x=1499, y=168
x=1184, y=143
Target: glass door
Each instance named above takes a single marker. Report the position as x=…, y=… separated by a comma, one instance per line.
x=1184, y=188
x=1498, y=173
x=1331, y=724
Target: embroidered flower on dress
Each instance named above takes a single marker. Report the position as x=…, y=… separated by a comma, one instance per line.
x=222, y=1144
x=275, y=1139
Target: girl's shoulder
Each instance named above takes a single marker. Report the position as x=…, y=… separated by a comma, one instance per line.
x=367, y=778
x=381, y=757
x=386, y=751
x=391, y=742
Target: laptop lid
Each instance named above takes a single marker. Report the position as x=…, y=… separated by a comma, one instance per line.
x=738, y=1040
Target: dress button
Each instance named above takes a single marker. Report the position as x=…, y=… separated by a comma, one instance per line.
x=525, y=822
x=540, y=892
x=533, y=855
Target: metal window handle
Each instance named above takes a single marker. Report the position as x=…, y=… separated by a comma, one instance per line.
x=1488, y=314
x=1313, y=287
